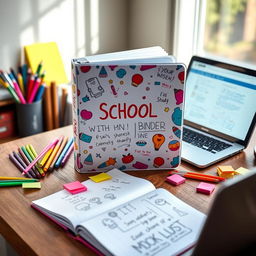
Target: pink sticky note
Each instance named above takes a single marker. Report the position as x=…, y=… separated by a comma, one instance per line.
x=205, y=188
x=75, y=187
x=175, y=179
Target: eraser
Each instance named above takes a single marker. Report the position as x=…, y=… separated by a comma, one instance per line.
x=205, y=188
x=175, y=179
x=100, y=177
x=75, y=187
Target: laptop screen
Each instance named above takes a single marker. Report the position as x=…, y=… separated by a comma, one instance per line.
x=221, y=99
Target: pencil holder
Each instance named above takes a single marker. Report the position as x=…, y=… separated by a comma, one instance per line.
x=29, y=118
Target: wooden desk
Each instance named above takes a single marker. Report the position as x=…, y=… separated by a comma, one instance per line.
x=30, y=233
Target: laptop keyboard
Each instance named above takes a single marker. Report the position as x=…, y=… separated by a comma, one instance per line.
x=202, y=141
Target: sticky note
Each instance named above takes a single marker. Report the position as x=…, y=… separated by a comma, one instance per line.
x=175, y=179
x=226, y=171
x=205, y=188
x=75, y=187
x=100, y=177
x=241, y=171
x=31, y=185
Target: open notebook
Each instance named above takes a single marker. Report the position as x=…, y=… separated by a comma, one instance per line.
x=125, y=216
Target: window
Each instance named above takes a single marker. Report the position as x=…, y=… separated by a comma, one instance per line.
x=218, y=28
x=230, y=29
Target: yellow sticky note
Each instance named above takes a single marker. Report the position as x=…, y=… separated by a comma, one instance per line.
x=242, y=171
x=31, y=185
x=226, y=171
x=51, y=59
x=100, y=177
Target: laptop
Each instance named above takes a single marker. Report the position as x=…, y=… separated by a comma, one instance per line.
x=230, y=227
x=220, y=107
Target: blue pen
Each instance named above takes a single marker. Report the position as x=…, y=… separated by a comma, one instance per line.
x=40, y=93
x=63, y=153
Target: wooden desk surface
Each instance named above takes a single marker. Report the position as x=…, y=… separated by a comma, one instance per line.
x=30, y=233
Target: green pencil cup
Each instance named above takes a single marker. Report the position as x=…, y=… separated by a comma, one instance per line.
x=29, y=118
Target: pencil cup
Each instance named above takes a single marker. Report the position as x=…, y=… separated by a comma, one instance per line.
x=29, y=118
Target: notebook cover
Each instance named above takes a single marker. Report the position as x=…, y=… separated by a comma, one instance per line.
x=127, y=116
x=87, y=244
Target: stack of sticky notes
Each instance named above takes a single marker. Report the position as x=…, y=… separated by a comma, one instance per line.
x=75, y=187
x=226, y=171
x=241, y=171
x=175, y=179
x=205, y=188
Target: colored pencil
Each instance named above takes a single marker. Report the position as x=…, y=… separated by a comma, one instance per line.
x=63, y=153
x=53, y=154
x=23, y=164
x=40, y=92
x=12, y=92
x=25, y=159
x=17, y=89
x=30, y=86
x=15, y=178
x=17, y=164
x=40, y=155
x=66, y=157
x=62, y=145
x=30, y=161
x=33, y=156
x=24, y=70
x=46, y=156
x=20, y=80
x=28, y=180
x=34, y=90
x=39, y=67
x=198, y=176
x=11, y=184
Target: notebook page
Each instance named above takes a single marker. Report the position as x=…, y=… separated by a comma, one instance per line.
x=154, y=224
x=98, y=198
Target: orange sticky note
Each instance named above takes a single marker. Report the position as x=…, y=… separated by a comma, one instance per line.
x=226, y=171
x=100, y=177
